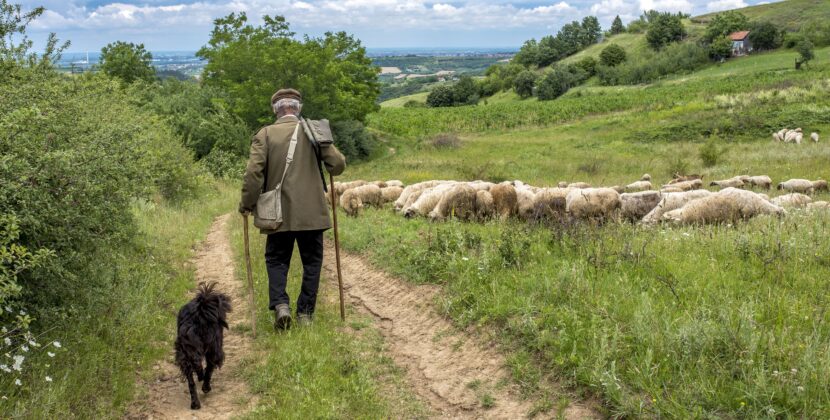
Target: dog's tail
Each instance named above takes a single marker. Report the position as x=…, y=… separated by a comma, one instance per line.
x=213, y=302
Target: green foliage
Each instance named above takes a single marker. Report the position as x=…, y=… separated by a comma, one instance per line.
x=464, y=92
x=765, y=35
x=353, y=140
x=612, y=55
x=127, y=61
x=588, y=65
x=524, y=83
x=664, y=29
x=558, y=81
x=15, y=46
x=724, y=24
x=571, y=38
x=617, y=26
x=499, y=77
x=336, y=78
x=711, y=153
x=805, y=51
x=528, y=54
x=676, y=58
x=440, y=96
x=720, y=48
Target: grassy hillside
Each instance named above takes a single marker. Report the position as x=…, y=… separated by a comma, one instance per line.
x=789, y=14
x=399, y=102
x=633, y=44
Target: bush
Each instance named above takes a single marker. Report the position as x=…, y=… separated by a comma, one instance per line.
x=440, y=96
x=612, y=55
x=720, y=48
x=724, y=24
x=765, y=36
x=464, y=92
x=676, y=58
x=446, y=141
x=665, y=29
x=353, y=140
x=523, y=83
x=588, y=65
x=711, y=153
x=558, y=81
x=414, y=104
x=805, y=51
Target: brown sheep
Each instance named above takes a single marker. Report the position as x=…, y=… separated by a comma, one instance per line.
x=634, y=206
x=505, y=200
x=458, y=202
x=390, y=194
x=485, y=206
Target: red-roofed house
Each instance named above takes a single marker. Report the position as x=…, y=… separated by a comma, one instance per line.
x=740, y=43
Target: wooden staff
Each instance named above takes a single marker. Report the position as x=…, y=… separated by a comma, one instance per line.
x=337, y=247
x=250, y=274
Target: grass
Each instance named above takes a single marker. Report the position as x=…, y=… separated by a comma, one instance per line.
x=399, y=102
x=790, y=14
x=130, y=325
x=328, y=370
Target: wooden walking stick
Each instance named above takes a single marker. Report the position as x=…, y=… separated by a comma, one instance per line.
x=250, y=274
x=337, y=247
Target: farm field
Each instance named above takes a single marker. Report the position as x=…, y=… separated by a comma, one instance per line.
x=711, y=321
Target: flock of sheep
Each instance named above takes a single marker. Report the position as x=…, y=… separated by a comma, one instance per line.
x=682, y=200
x=792, y=136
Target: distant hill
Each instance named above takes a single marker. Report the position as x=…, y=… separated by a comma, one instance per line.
x=790, y=14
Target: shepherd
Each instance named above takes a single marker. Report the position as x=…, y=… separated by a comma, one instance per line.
x=286, y=163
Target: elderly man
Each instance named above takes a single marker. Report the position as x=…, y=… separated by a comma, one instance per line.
x=304, y=209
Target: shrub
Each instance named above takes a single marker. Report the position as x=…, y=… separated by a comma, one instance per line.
x=720, y=48
x=353, y=140
x=446, y=141
x=711, y=153
x=440, y=96
x=805, y=51
x=676, y=58
x=465, y=91
x=612, y=55
x=523, y=83
x=588, y=65
x=414, y=104
x=765, y=36
x=127, y=61
x=558, y=81
x=664, y=29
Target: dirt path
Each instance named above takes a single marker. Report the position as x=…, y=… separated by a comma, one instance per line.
x=456, y=373
x=167, y=395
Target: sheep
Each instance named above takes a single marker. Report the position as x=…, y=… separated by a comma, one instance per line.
x=549, y=203
x=734, y=182
x=524, y=202
x=350, y=202
x=672, y=201
x=401, y=202
x=634, y=206
x=776, y=137
x=579, y=185
x=762, y=181
x=670, y=189
x=587, y=203
x=504, y=199
x=618, y=188
x=682, y=178
x=562, y=184
x=341, y=187
x=814, y=137
x=818, y=205
x=485, y=206
x=794, y=200
x=390, y=194
x=782, y=133
x=645, y=177
x=394, y=183
x=427, y=200
x=796, y=185
x=798, y=138
x=354, y=199
x=380, y=184
x=820, y=185
x=638, y=186
x=694, y=184
x=728, y=205
x=790, y=136
x=481, y=185
x=459, y=202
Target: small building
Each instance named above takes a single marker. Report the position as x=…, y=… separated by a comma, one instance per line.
x=740, y=43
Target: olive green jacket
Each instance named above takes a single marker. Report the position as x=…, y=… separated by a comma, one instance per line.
x=303, y=200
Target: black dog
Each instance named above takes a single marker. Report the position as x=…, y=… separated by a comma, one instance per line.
x=200, y=326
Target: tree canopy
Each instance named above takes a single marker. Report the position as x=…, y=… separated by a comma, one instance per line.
x=664, y=29
x=617, y=26
x=724, y=24
x=127, y=61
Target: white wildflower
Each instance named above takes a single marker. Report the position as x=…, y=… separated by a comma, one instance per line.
x=8, y=341
x=5, y=330
x=48, y=379
x=5, y=368
x=794, y=371
x=57, y=344
x=25, y=348
x=465, y=258
x=33, y=343
x=800, y=388
x=8, y=309
x=50, y=354
x=17, y=382
x=18, y=362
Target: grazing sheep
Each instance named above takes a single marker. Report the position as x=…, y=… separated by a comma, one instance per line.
x=618, y=188
x=369, y=194
x=341, y=187
x=683, y=178
x=728, y=205
x=579, y=185
x=390, y=194
x=761, y=181
x=672, y=201
x=458, y=202
x=481, y=185
x=734, y=182
x=403, y=201
x=645, y=177
x=380, y=184
x=638, y=186
x=524, y=202
x=794, y=200
x=587, y=203
x=796, y=185
x=670, y=189
x=562, y=184
x=427, y=200
x=505, y=200
x=790, y=136
x=782, y=133
x=350, y=202
x=549, y=203
x=776, y=137
x=485, y=206
x=798, y=138
x=394, y=183
x=694, y=184
x=634, y=206
x=814, y=137
x=820, y=185
x=818, y=205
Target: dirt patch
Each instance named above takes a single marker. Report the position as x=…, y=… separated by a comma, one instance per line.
x=459, y=374
x=167, y=394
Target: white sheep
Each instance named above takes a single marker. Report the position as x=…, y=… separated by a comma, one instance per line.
x=390, y=194
x=645, y=177
x=672, y=201
x=634, y=206
x=734, y=182
x=549, y=203
x=803, y=186
x=776, y=137
x=417, y=188
x=814, y=137
x=782, y=133
x=798, y=137
x=820, y=185
x=394, y=183
x=794, y=200
x=341, y=187
x=670, y=189
x=638, y=186
x=584, y=203
x=790, y=136
x=524, y=202
x=458, y=202
x=818, y=205
x=761, y=181
x=727, y=205
x=693, y=184
x=427, y=200
x=485, y=206
x=579, y=185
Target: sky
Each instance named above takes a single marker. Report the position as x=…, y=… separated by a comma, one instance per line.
x=183, y=25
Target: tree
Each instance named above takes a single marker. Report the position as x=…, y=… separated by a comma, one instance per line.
x=765, y=36
x=338, y=81
x=724, y=24
x=441, y=95
x=571, y=38
x=591, y=31
x=465, y=92
x=664, y=28
x=528, y=55
x=523, y=83
x=556, y=83
x=612, y=55
x=127, y=61
x=549, y=51
x=588, y=65
x=15, y=46
x=617, y=26
x=720, y=48
x=805, y=51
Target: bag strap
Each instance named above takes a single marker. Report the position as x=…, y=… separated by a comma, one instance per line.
x=316, y=146
x=290, y=156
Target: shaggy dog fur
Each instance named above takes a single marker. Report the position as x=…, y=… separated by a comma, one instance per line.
x=200, y=329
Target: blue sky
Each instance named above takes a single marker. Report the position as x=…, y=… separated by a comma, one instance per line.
x=186, y=24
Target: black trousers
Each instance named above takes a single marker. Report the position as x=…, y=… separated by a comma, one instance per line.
x=278, y=250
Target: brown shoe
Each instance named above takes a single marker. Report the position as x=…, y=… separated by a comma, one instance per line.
x=282, y=317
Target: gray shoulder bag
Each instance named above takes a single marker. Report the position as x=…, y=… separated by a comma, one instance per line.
x=268, y=214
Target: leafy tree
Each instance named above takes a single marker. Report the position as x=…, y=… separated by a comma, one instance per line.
x=720, y=48
x=588, y=65
x=550, y=50
x=557, y=82
x=524, y=82
x=15, y=46
x=127, y=61
x=617, y=26
x=528, y=55
x=664, y=28
x=612, y=55
x=571, y=38
x=465, y=91
x=765, y=35
x=805, y=51
x=338, y=81
x=724, y=24
x=442, y=95
x=591, y=31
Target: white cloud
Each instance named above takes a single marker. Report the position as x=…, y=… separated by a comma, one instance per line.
x=718, y=5
x=667, y=5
